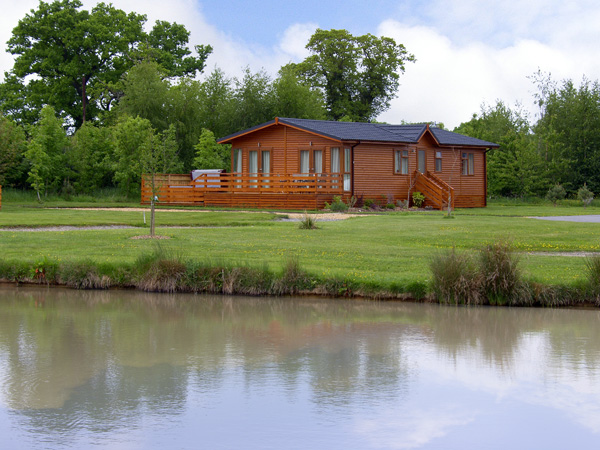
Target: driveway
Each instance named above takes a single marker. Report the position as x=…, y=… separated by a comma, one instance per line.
x=592, y=218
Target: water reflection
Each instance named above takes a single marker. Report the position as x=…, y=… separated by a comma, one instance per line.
x=128, y=368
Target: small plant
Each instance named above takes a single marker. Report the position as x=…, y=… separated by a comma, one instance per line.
x=402, y=204
x=455, y=278
x=369, y=202
x=352, y=201
x=308, y=222
x=593, y=271
x=556, y=193
x=501, y=276
x=418, y=199
x=585, y=195
x=338, y=204
x=390, y=206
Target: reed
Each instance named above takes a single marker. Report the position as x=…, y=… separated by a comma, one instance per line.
x=455, y=278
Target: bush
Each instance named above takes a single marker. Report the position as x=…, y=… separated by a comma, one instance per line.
x=338, y=205
x=455, y=278
x=390, y=206
x=556, y=193
x=308, y=222
x=593, y=272
x=585, y=195
x=418, y=199
x=501, y=276
x=369, y=203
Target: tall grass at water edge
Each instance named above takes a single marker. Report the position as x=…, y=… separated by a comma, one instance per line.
x=494, y=277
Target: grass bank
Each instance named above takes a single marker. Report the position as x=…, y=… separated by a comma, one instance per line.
x=375, y=255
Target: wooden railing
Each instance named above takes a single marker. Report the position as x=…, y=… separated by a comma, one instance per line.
x=434, y=189
x=176, y=189
x=325, y=183
x=446, y=188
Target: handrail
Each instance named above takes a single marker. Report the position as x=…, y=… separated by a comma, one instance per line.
x=434, y=188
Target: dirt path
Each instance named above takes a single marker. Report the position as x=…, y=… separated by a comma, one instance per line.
x=292, y=216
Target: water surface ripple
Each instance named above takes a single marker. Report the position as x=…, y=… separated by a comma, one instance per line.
x=125, y=369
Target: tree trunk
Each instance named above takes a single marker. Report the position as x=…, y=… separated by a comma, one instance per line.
x=152, y=217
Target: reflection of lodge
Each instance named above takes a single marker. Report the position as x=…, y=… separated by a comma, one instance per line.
x=301, y=164
x=132, y=350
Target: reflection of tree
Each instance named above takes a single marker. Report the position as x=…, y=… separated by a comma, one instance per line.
x=69, y=356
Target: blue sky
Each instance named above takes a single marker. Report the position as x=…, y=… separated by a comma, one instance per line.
x=469, y=52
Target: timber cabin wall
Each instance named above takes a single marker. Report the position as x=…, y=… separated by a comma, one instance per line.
x=285, y=144
x=373, y=173
x=375, y=176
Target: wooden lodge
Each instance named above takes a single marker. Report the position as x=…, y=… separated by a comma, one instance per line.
x=302, y=163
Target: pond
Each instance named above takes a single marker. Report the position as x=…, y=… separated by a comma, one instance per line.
x=121, y=369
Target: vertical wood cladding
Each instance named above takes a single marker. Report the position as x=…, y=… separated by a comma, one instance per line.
x=373, y=166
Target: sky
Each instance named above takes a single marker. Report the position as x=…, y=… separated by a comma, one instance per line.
x=469, y=52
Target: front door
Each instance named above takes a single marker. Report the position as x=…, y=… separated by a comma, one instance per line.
x=421, y=161
x=259, y=163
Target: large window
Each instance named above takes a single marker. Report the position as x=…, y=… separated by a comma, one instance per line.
x=237, y=160
x=438, y=161
x=401, y=164
x=468, y=160
x=347, y=165
x=335, y=166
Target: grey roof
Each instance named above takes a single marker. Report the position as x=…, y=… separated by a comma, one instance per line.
x=377, y=132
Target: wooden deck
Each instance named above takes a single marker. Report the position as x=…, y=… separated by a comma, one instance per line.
x=288, y=191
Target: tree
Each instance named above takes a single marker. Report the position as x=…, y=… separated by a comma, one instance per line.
x=158, y=154
x=358, y=75
x=146, y=93
x=131, y=136
x=253, y=99
x=90, y=158
x=293, y=98
x=209, y=154
x=12, y=148
x=569, y=132
x=217, y=105
x=77, y=57
x=46, y=153
x=516, y=168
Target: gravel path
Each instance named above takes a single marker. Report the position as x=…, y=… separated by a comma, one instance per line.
x=591, y=218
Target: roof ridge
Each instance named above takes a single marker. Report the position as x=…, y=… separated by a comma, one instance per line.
x=384, y=126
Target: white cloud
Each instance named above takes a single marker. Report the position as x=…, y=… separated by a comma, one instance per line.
x=295, y=38
x=411, y=429
x=449, y=82
x=468, y=52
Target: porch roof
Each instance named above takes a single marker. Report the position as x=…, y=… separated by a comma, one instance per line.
x=375, y=132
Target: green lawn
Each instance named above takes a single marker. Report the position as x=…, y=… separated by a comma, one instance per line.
x=375, y=249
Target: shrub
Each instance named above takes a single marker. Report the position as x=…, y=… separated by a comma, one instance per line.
x=390, y=206
x=455, y=278
x=338, y=204
x=593, y=273
x=292, y=280
x=369, y=203
x=501, y=276
x=556, y=193
x=308, y=222
x=585, y=195
x=82, y=275
x=160, y=271
x=418, y=199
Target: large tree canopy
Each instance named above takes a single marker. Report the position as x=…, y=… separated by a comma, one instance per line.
x=76, y=56
x=358, y=75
